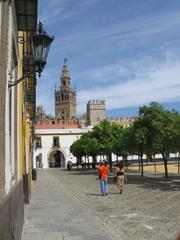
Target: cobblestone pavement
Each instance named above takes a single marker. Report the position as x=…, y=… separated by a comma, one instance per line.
x=68, y=205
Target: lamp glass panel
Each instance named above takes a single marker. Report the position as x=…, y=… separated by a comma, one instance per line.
x=41, y=45
x=46, y=46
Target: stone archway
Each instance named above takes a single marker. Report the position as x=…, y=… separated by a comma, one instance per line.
x=56, y=159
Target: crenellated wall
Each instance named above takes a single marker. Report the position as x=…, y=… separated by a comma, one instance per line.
x=96, y=111
x=124, y=121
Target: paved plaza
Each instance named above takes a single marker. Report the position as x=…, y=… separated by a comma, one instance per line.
x=68, y=206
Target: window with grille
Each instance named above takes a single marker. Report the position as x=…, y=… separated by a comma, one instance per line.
x=38, y=142
x=55, y=141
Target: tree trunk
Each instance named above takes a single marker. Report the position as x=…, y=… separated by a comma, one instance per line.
x=110, y=162
x=139, y=163
x=125, y=159
x=94, y=162
x=147, y=159
x=155, y=169
x=85, y=161
x=165, y=165
x=88, y=162
x=142, y=169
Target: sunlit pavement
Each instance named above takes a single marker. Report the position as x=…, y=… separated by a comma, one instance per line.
x=68, y=206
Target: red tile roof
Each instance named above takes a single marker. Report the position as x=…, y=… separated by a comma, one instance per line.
x=56, y=126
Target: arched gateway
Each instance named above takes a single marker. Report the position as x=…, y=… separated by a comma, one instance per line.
x=56, y=159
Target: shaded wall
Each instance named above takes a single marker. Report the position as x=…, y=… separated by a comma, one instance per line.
x=3, y=62
x=12, y=214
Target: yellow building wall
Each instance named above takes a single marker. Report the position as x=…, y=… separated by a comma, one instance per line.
x=20, y=112
x=24, y=130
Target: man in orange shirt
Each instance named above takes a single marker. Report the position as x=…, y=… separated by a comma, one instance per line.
x=103, y=176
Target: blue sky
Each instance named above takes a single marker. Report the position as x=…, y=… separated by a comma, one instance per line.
x=126, y=52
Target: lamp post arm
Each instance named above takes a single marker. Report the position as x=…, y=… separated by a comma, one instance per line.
x=11, y=84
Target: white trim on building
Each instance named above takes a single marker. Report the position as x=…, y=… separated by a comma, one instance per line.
x=10, y=128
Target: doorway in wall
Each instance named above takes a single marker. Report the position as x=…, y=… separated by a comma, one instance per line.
x=39, y=160
x=56, y=159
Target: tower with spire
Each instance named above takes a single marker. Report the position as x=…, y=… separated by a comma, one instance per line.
x=65, y=96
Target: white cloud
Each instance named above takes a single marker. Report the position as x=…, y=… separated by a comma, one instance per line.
x=142, y=26
x=123, y=31
x=103, y=73
x=130, y=81
x=161, y=84
x=59, y=10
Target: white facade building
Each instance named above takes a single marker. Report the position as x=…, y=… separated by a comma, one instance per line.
x=53, y=146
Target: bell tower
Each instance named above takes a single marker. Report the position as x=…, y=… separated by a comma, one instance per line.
x=65, y=96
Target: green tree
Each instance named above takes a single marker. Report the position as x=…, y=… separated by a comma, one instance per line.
x=121, y=143
x=139, y=134
x=105, y=133
x=90, y=146
x=176, y=138
x=161, y=130
x=77, y=149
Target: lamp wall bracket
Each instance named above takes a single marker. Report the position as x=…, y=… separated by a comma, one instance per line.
x=11, y=83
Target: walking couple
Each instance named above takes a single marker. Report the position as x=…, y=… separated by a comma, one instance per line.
x=103, y=171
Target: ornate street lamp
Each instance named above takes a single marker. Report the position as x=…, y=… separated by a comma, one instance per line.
x=40, y=45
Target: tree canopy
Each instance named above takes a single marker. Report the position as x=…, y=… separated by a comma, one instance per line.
x=155, y=130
